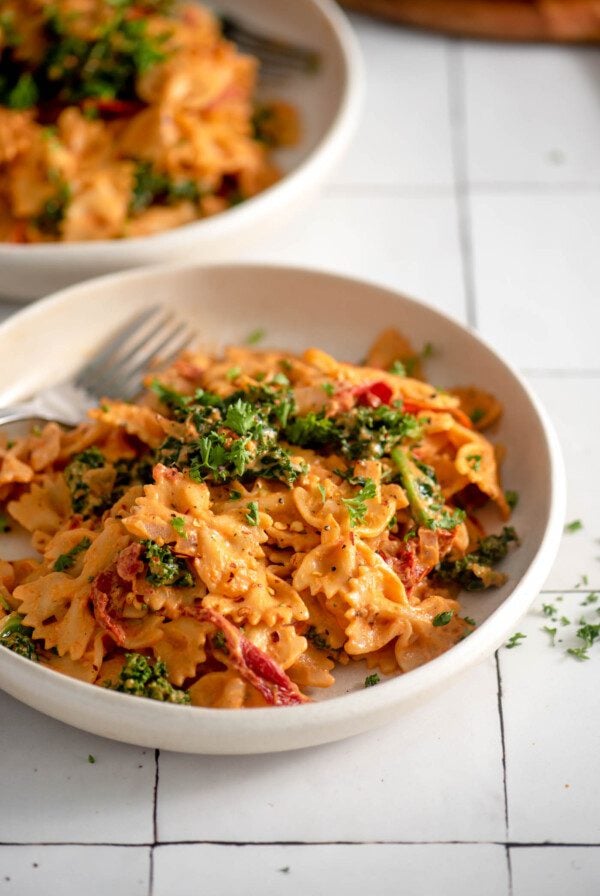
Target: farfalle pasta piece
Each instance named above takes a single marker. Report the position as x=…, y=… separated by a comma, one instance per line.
x=428, y=640
x=58, y=611
x=476, y=459
x=280, y=642
x=181, y=646
x=378, y=610
x=13, y=470
x=144, y=423
x=481, y=408
x=312, y=669
x=44, y=507
x=46, y=447
x=172, y=495
x=225, y=690
x=326, y=569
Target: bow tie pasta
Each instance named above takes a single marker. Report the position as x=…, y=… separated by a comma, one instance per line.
x=255, y=521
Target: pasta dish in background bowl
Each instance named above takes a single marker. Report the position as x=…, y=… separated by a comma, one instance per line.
x=123, y=120
x=272, y=527
x=122, y=123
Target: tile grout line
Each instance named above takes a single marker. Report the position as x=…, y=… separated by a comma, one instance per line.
x=502, y=740
x=154, y=822
x=511, y=844
x=504, y=787
x=457, y=115
x=509, y=869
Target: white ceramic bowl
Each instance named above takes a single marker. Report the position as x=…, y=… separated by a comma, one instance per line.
x=297, y=308
x=328, y=101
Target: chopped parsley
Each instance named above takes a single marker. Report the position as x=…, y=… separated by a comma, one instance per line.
x=83, y=500
x=588, y=632
x=574, y=526
x=17, y=637
x=178, y=523
x=240, y=417
x=474, y=461
x=361, y=433
x=151, y=187
x=442, y=618
x=53, y=210
x=246, y=434
x=219, y=641
x=477, y=415
x=164, y=568
x=91, y=759
x=356, y=506
x=580, y=653
x=66, y=561
x=398, y=368
x=24, y=94
x=172, y=399
x=252, y=514
x=515, y=640
x=372, y=680
x=255, y=336
x=328, y=389
x=262, y=125
x=317, y=639
x=237, y=436
x=4, y=523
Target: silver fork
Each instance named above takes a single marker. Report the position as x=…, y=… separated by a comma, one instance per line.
x=114, y=371
x=277, y=57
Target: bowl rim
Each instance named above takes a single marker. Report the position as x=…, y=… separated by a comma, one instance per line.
x=348, y=713
x=214, y=227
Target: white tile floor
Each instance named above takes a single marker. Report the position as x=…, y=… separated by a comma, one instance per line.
x=473, y=183
x=381, y=869
x=315, y=782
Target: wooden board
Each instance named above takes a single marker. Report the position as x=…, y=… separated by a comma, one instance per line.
x=573, y=21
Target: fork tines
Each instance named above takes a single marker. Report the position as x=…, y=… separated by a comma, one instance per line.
x=277, y=57
x=117, y=370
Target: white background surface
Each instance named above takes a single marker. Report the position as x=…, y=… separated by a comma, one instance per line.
x=474, y=183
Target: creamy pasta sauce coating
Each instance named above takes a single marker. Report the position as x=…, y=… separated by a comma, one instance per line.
x=255, y=521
